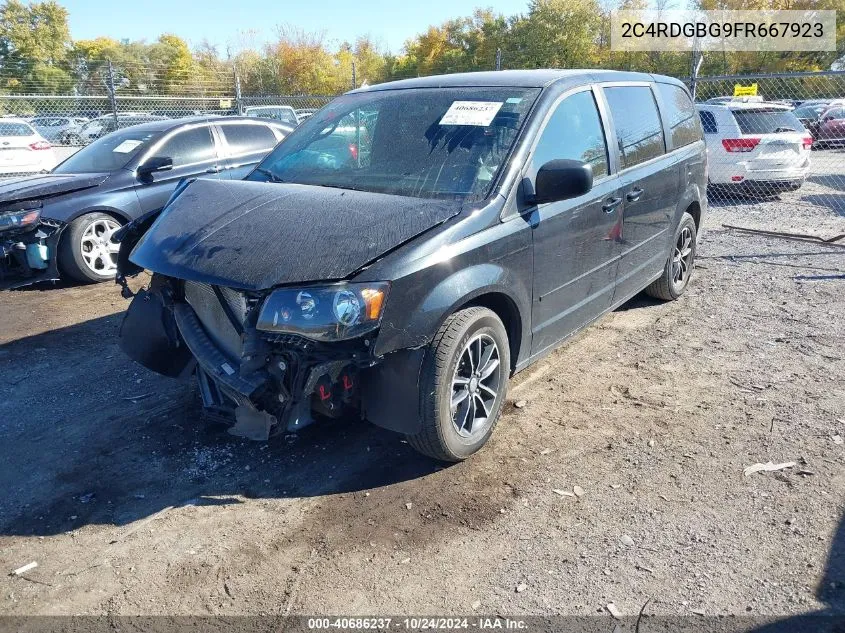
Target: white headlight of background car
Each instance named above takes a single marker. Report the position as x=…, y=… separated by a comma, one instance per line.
x=325, y=313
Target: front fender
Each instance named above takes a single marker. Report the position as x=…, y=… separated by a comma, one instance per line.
x=416, y=322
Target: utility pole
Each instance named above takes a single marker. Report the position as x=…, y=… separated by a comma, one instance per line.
x=354, y=77
x=112, y=93
x=498, y=59
x=237, y=90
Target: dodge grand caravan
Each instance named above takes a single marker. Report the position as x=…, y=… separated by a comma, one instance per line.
x=413, y=244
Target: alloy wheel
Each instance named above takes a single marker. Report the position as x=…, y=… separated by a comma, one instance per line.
x=475, y=386
x=682, y=257
x=98, y=251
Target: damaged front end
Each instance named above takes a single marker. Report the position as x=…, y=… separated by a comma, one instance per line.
x=28, y=245
x=268, y=362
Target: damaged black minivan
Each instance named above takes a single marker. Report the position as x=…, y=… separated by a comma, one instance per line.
x=413, y=244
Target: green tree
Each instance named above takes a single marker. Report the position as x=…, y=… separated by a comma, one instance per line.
x=33, y=37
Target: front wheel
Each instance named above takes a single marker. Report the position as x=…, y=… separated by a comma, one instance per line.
x=86, y=252
x=676, y=273
x=463, y=385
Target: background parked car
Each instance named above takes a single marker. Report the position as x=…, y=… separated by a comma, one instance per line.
x=755, y=147
x=118, y=178
x=830, y=127
x=105, y=125
x=284, y=114
x=22, y=149
x=809, y=115
x=54, y=128
x=304, y=113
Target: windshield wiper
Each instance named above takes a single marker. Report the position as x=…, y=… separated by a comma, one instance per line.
x=785, y=129
x=271, y=177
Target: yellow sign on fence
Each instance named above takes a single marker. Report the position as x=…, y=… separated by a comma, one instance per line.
x=225, y=104
x=745, y=91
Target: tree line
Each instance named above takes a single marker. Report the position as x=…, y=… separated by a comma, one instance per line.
x=38, y=55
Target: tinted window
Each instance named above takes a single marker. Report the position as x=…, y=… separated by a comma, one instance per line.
x=108, y=153
x=809, y=112
x=680, y=114
x=763, y=121
x=189, y=146
x=15, y=129
x=245, y=138
x=708, y=122
x=574, y=131
x=638, y=128
x=424, y=143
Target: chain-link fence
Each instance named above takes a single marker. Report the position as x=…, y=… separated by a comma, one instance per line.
x=784, y=139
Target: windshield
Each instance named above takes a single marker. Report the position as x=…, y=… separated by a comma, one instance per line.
x=425, y=143
x=108, y=153
x=767, y=121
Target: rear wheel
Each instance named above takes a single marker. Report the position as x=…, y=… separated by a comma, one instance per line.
x=463, y=385
x=676, y=273
x=86, y=252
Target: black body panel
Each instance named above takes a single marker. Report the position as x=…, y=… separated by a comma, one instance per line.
x=256, y=235
x=46, y=186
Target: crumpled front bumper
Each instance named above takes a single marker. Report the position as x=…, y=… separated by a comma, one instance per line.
x=29, y=257
x=280, y=381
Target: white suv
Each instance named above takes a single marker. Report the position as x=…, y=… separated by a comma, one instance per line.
x=755, y=147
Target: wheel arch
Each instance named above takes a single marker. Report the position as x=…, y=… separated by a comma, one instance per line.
x=488, y=284
x=504, y=307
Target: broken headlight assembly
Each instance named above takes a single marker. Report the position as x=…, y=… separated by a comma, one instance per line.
x=19, y=219
x=325, y=313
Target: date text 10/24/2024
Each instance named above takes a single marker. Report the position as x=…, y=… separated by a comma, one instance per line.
x=416, y=623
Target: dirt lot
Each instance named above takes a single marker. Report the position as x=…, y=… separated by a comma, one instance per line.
x=129, y=506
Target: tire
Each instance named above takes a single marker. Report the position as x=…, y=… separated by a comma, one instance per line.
x=74, y=257
x=670, y=286
x=445, y=363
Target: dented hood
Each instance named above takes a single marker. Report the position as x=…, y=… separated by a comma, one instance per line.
x=46, y=186
x=256, y=235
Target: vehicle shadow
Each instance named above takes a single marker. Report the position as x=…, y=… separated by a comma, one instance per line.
x=72, y=456
x=830, y=591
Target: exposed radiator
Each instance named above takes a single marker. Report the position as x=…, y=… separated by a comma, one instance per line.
x=204, y=301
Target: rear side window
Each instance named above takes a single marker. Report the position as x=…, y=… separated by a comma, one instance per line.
x=639, y=131
x=763, y=121
x=245, y=138
x=15, y=129
x=574, y=131
x=680, y=114
x=189, y=146
x=708, y=122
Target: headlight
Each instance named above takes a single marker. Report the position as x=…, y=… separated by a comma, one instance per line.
x=19, y=219
x=325, y=313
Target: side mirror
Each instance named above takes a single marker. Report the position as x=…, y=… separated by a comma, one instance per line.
x=155, y=164
x=562, y=179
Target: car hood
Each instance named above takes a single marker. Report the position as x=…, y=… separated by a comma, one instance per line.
x=46, y=186
x=256, y=235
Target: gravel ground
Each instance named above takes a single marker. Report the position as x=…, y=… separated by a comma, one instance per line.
x=618, y=480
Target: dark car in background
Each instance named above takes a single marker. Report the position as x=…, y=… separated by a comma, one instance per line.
x=61, y=223
x=829, y=130
x=412, y=244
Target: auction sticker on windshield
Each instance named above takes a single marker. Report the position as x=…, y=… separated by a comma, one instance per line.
x=127, y=146
x=471, y=113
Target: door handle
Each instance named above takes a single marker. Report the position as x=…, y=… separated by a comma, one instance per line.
x=610, y=204
x=213, y=170
x=634, y=194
